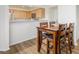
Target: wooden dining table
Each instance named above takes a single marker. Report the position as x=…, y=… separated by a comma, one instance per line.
x=53, y=31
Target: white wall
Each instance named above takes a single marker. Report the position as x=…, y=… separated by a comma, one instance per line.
x=47, y=13
x=54, y=13
x=51, y=14
x=22, y=31
x=77, y=21
x=67, y=13
x=4, y=28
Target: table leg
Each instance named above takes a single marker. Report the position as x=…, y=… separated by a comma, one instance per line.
x=70, y=49
x=58, y=44
x=39, y=40
x=47, y=46
x=55, y=43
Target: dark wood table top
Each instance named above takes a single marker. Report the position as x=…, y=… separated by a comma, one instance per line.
x=49, y=28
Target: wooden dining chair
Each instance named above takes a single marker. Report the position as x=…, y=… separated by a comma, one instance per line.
x=69, y=37
x=65, y=39
x=71, y=28
x=62, y=39
x=50, y=39
x=46, y=36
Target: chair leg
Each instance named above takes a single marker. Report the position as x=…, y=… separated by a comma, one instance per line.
x=59, y=50
x=47, y=46
x=66, y=47
x=66, y=50
x=70, y=49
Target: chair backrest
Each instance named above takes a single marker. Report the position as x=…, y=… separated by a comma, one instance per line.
x=62, y=30
x=51, y=24
x=71, y=24
x=65, y=40
x=71, y=30
x=62, y=37
x=62, y=27
x=71, y=27
x=44, y=24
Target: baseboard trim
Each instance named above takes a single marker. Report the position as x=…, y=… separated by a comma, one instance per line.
x=4, y=49
x=21, y=41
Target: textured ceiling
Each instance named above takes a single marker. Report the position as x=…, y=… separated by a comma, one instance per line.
x=31, y=7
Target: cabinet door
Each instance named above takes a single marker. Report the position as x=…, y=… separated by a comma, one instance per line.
x=19, y=14
x=40, y=13
x=28, y=14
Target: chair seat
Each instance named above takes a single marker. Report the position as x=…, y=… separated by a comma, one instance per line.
x=49, y=36
x=50, y=47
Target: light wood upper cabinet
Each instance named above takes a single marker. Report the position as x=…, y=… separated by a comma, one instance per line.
x=19, y=14
x=40, y=13
x=28, y=15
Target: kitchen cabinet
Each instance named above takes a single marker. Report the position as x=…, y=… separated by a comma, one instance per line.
x=40, y=13
x=19, y=14
x=28, y=14
x=23, y=15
